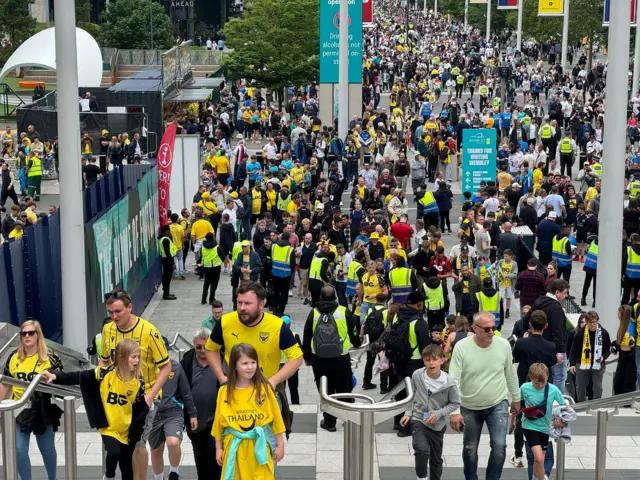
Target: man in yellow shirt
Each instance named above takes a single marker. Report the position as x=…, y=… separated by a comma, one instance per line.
x=177, y=237
x=221, y=164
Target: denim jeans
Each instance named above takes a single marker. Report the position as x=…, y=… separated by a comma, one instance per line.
x=496, y=418
x=559, y=374
x=447, y=171
x=364, y=308
x=47, y=447
x=548, y=460
x=179, y=261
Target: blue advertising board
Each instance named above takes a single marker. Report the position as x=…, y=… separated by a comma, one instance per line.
x=330, y=40
x=478, y=157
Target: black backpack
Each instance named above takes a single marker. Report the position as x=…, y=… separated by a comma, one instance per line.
x=397, y=347
x=374, y=325
x=326, y=338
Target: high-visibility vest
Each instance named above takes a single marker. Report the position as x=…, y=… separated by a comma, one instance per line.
x=597, y=169
x=378, y=308
x=283, y=203
x=416, y=354
x=237, y=250
x=434, y=297
x=634, y=188
x=340, y=316
x=484, y=90
x=489, y=304
x=592, y=256
x=559, y=252
x=172, y=248
x=565, y=145
x=316, y=268
x=633, y=264
x=400, y=279
x=545, y=131
x=352, y=277
x=280, y=261
x=460, y=79
x=496, y=102
x=36, y=168
x=526, y=120
x=210, y=257
x=455, y=71
x=429, y=204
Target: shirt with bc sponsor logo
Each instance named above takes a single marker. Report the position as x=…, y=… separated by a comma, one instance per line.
x=153, y=350
x=270, y=337
x=27, y=368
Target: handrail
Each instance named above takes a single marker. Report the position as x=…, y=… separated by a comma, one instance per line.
x=9, y=343
x=26, y=396
x=177, y=337
x=57, y=390
x=363, y=408
x=608, y=402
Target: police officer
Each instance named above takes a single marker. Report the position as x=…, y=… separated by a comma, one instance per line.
x=561, y=252
x=590, y=268
x=459, y=84
x=484, y=93
x=167, y=251
x=429, y=208
x=490, y=300
x=320, y=274
x=631, y=265
x=419, y=338
x=547, y=133
x=354, y=274
x=436, y=301
x=567, y=149
x=634, y=186
x=283, y=264
x=401, y=280
x=329, y=332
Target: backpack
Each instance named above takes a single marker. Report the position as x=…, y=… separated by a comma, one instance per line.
x=444, y=153
x=326, y=338
x=239, y=208
x=373, y=325
x=397, y=347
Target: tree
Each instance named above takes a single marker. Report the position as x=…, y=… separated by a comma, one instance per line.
x=275, y=43
x=83, y=18
x=477, y=14
x=16, y=20
x=136, y=24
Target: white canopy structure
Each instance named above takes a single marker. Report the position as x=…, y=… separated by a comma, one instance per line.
x=40, y=51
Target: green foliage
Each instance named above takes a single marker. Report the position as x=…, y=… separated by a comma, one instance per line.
x=477, y=13
x=127, y=24
x=16, y=21
x=83, y=19
x=275, y=43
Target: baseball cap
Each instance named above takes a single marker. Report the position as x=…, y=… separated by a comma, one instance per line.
x=374, y=235
x=414, y=298
x=245, y=243
x=553, y=215
x=234, y=194
x=105, y=131
x=286, y=319
x=464, y=249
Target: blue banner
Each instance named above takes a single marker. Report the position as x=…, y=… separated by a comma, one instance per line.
x=478, y=158
x=330, y=40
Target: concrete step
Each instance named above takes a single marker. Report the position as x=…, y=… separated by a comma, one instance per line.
x=30, y=74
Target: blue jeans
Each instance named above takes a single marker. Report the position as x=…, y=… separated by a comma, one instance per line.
x=47, y=447
x=497, y=422
x=559, y=374
x=548, y=460
x=364, y=308
x=179, y=261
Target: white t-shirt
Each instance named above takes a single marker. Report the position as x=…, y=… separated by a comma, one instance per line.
x=84, y=105
x=434, y=384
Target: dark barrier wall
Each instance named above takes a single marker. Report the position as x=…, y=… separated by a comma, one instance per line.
x=30, y=278
x=122, y=250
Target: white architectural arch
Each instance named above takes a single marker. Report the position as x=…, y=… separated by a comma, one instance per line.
x=40, y=51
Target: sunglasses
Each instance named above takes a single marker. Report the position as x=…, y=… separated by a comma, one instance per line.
x=28, y=333
x=199, y=347
x=119, y=295
x=488, y=329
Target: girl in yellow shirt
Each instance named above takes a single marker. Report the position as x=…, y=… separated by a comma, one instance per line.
x=248, y=426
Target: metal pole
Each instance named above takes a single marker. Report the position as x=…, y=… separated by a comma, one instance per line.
x=47, y=14
x=367, y=444
x=488, y=20
x=560, y=454
x=181, y=353
x=151, y=21
x=610, y=239
x=348, y=441
x=466, y=13
x=74, y=307
x=519, y=31
x=601, y=419
x=9, y=453
x=70, y=446
x=353, y=453
x=636, y=56
x=565, y=36
x=343, y=72
x=435, y=8
x=424, y=6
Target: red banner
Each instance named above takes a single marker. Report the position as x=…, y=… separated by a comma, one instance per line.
x=367, y=11
x=164, y=161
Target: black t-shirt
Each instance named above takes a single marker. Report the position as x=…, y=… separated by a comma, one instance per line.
x=91, y=172
x=530, y=350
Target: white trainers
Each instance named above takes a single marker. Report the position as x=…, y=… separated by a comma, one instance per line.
x=291, y=293
x=517, y=461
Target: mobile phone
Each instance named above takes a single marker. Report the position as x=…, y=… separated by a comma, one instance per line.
x=426, y=416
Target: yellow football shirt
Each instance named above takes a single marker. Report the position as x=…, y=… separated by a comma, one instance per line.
x=28, y=368
x=118, y=397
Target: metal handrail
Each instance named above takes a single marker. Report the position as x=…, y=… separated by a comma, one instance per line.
x=26, y=396
x=9, y=343
x=609, y=402
x=57, y=390
x=177, y=337
x=363, y=408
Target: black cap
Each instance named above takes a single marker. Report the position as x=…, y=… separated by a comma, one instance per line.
x=414, y=298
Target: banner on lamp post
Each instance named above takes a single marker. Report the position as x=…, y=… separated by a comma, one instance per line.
x=507, y=4
x=550, y=8
x=367, y=11
x=607, y=9
x=164, y=161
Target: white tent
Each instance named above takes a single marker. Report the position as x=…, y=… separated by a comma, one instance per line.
x=40, y=51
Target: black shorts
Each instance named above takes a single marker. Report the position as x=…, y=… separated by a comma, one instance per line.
x=535, y=438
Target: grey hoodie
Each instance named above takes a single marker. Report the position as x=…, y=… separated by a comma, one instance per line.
x=177, y=387
x=442, y=402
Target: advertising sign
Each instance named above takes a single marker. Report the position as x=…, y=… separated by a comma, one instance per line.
x=367, y=11
x=330, y=40
x=478, y=157
x=550, y=8
x=507, y=4
x=607, y=6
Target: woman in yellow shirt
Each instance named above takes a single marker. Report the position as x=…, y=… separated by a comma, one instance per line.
x=372, y=283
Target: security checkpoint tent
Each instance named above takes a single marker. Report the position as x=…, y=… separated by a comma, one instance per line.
x=40, y=51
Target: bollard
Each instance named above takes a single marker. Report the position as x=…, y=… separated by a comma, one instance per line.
x=9, y=453
x=70, y=446
x=347, y=442
x=602, y=416
x=560, y=453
